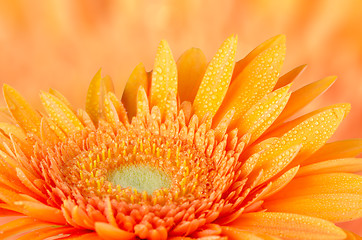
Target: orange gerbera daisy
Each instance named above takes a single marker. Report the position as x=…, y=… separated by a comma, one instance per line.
x=193, y=150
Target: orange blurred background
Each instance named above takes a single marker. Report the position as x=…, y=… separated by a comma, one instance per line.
x=61, y=44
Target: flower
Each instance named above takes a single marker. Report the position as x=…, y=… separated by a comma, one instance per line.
x=193, y=150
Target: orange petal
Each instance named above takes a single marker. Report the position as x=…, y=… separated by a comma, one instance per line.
x=191, y=67
x=84, y=236
x=303, y=96
x=20, y=225
x=63, y=117
x=28, y=182
x=216, y=80
x=22, y=112
x=257, y=78
x=352, y=236
x=5, y=115
x=97, y=89
x=9, y=128
x=108, y=232
x=335, y=197
x=289, y=226
x=129, y=98
x=332, y=207
x=40, y=211
x=164, y=76
x=47, y=233
x=341, y=149
x=237, y=234
x=282, y=181
x=48, y=135
x=336, y=165
x=289, y=77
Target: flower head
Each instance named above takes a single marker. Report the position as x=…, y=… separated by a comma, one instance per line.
x=193, y=149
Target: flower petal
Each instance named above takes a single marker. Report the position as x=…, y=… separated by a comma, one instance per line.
x=351, y=165
x=335, y=197
x=47, y=232
x=216, y=80
x=40, y=211
x=289, y=77
x=260, y=116
x=191, y=67
x=289, y=226
x=283, y=180
x=22, y=112
x=97, y=89
x=301, y=97
x=256, y=80
x=137, y=78
x=60, y=97
x=63, y=117
x=234, y=233
x=272, y=165
x=341, y=149
x=311, y=130
x=118, y=106
x=164, y=76
x=20, y=225
x=352, y=236
x=108, y=232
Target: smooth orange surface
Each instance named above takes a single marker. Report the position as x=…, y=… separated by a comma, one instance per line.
x=62, y=43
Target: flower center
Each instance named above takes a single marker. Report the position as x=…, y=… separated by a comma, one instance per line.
x=140, y=177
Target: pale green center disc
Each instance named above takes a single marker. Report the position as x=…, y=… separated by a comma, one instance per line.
x=141, y=177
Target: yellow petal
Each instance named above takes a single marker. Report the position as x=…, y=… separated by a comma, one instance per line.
x=129, y=98
x=22, y=112
x=335, y=165
x=289, y=226
x=263, y=113
x=216, y=80
x=311, y=130
x=164, y=76
x=257, y=78
x=143, y=108
x=191, y=67
x=95, y=96
x=110, y=111
x=303, y=96
x=241, y=64
x=334, y=150
x=120, y=109
x=335, y=197
x=62, y=116
x=273, y=165
x=60, y=97
x=289, y=77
